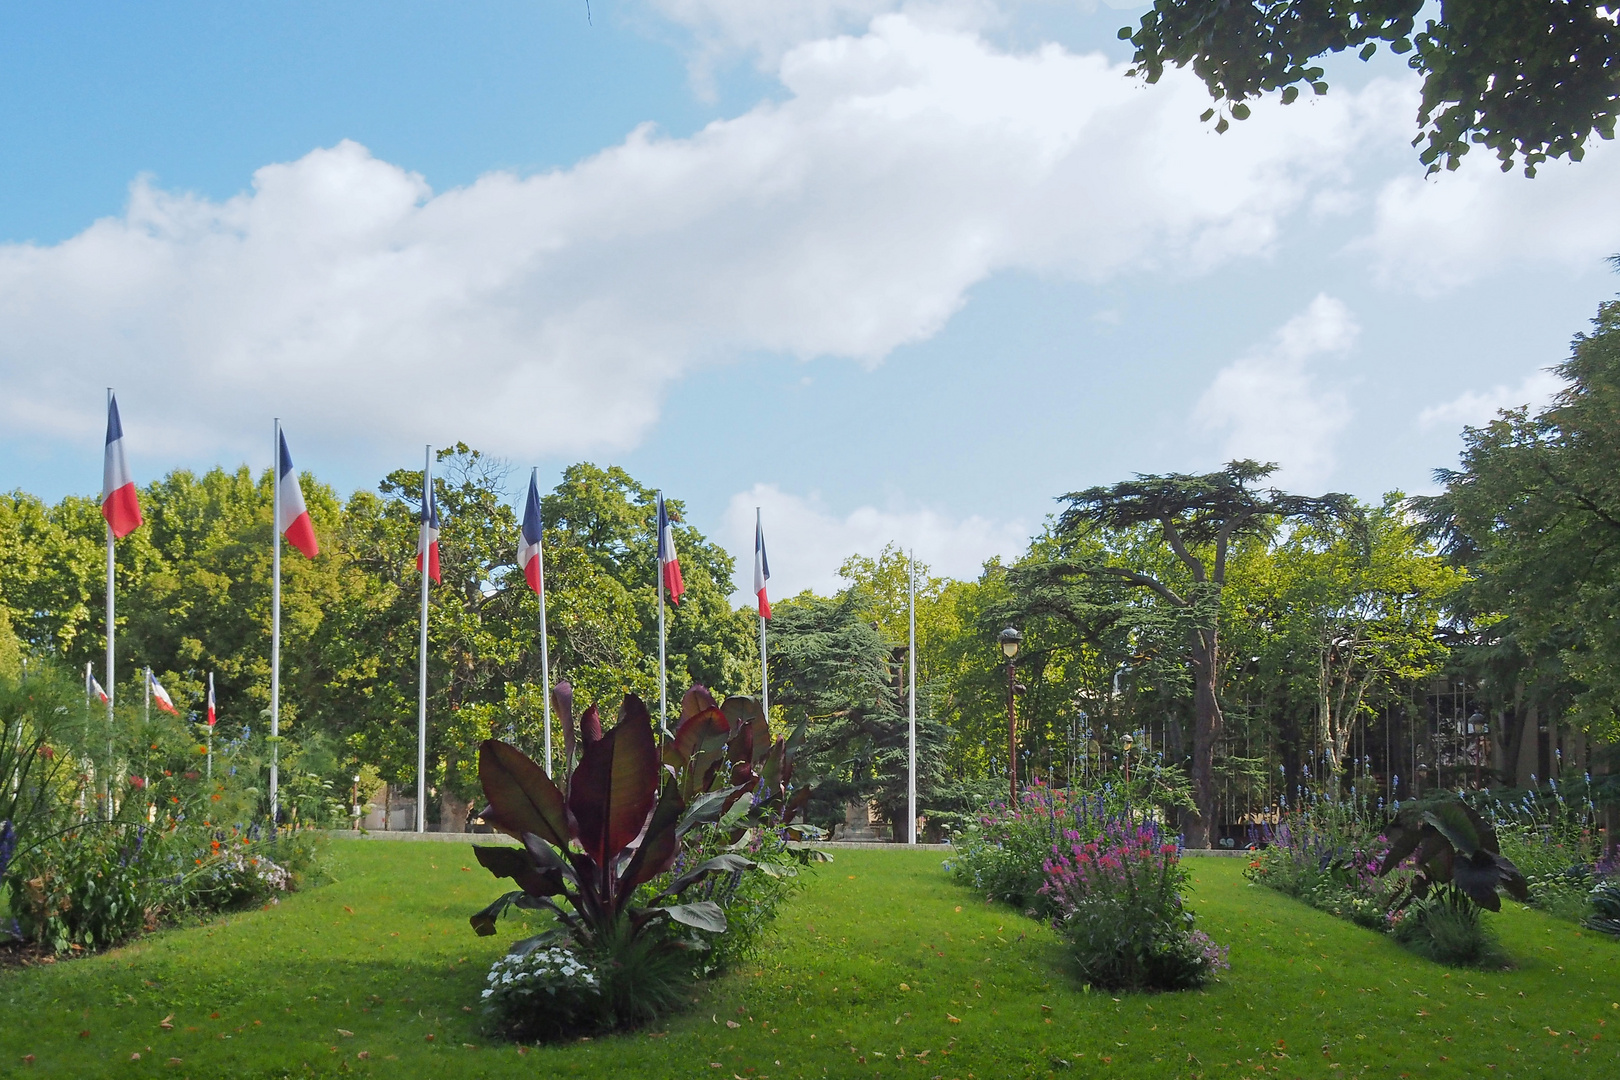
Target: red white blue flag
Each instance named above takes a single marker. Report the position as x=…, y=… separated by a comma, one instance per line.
x=292, y=518
x=119, y=503
x=211, y=716
x=160, y=695
x=529, y=554
x=95, y=688
x=428, y=543
x=762, y=568
x=669, y=563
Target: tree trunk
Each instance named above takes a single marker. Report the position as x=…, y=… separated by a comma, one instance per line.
x=1207, y=723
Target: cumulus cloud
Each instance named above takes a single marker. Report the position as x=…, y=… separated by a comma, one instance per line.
x=1477, y=407
x=807, y=541
x=1269, y=404
x=549, y=313
x=1438, y=233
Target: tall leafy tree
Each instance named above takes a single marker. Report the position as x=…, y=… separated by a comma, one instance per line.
x=1198, y=519
x=1529, y=79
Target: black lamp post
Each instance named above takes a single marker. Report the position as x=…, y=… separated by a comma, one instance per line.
x=1008, y=639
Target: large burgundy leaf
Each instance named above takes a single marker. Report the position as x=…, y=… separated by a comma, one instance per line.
x=703, y=730
x=562, y=702
x=590, y=726
x=661, y=844
x=521, y=796
x=696, y=700
x=616, y=784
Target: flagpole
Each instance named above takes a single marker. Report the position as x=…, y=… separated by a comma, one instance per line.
x=422, y=652
x=146, y=700
x=210, y=727
x=764, y=669
x=545, y=652
x=275, y=622
x=87, y=759
x=110, y=634
x=663, y=680
x=911, y=709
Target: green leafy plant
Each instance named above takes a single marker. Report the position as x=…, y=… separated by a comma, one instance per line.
x=586, y=855
x=1458, y=869
x=1449, y=843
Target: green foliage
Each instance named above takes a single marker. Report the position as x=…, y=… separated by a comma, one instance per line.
x=1327, y=853
x=1118, y=898
x=1446, y=926
x=621, y=824
x=1531, y=512
x=1451, y=844
x=1533, y=79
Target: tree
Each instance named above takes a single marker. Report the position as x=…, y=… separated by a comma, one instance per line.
x=1198, y=518
x=1527, y=78
x=1533, y=512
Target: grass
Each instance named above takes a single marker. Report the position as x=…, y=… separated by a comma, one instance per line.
x=883, y=968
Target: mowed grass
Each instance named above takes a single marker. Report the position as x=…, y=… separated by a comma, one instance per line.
x=882, y=967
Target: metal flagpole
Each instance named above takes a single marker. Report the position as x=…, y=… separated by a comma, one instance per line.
x=110, y=633
x=87, y=758
x=210, y=728
x=545, y=651
x=911, y=710
x=764, y=669
x=663, y=681
x=421, y=696
x=275, y=623
x=146, y=700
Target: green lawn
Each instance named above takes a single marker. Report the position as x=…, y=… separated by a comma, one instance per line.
x=883, y=968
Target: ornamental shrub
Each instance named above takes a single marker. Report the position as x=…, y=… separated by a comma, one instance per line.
x=1118, y=903
x=542, y=995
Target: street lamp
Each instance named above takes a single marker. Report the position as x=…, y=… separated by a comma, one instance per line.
x=1008, y=639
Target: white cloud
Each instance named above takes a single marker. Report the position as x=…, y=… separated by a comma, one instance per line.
x=548, y=314
x=1478, y=407
x=807, y=541
x=1438, y=233
x=1268, y=404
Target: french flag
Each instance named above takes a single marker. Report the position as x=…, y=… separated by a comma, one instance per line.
x=211, y=716
x=292, y=518
x=95, y=688
x=428, y=543
x=534, y=572
x=762, y=568
x=160, y=695
x=119, y=503
x=669, y=563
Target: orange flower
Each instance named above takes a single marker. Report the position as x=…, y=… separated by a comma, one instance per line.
x=215, y=797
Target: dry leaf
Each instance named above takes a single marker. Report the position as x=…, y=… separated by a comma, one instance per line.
x=345, y=1034
x=167, y=1023
x=732, y=1024
x=174, y=1061
x=362, y=1055
x=953, y=1019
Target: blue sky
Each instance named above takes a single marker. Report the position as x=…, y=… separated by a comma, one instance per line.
x=892, y=270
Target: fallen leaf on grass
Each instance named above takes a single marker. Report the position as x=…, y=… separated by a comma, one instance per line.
x=28, y=1059
x=84, y=1034
x=136, y=1056
x=428, y=1038
x=173, y=1062
x=345, y=1034
x=953, y=1019
x=167, y=1023
x=732, y=1024
x=362, y=1055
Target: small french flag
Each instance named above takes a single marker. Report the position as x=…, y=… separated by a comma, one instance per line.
x=669, y=563
x=292, y=518
x=160, y=695
x=119, y=503
x=211, y=716
x=95, y=688
x=428, y=543
x=762, y=567
x=529, y=554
